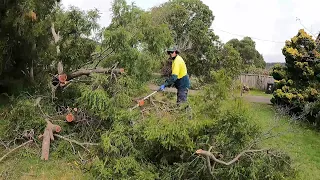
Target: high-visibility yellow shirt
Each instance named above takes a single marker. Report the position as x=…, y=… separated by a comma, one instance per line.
x=179, y=67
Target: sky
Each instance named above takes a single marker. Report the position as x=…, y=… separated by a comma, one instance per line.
x=268, y=22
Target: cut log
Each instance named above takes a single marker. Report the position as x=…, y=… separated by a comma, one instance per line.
x=47, y=137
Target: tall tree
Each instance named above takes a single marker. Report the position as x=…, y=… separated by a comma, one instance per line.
x=29, y=51
x=137, y=42
x=190, y=22
x=24, y=34
x=247, y=49
x=76, y=29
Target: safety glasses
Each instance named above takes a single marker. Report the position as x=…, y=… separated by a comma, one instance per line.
x=170, y=52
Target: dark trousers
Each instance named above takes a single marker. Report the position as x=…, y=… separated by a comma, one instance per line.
x=182, y=95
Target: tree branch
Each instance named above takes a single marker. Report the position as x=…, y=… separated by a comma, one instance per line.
x=3, y=157
x=76, y=142
x=211, y=156
x=56, y=36
x=102, y=58
x=87, y=72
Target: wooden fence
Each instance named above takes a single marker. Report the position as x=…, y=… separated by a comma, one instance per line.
x=256, y=81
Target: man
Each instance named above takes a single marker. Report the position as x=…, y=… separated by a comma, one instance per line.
x=179, y=76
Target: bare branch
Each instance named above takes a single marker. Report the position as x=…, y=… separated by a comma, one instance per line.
x=211, y=156
x=102, y=58
x=60, y=67
x=76, y=142
x=3, y=157
x=87, y=72
x=56, y=36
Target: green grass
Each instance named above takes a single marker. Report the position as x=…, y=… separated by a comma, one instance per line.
x=255, y=92
x=300, y=142
x=17, y=167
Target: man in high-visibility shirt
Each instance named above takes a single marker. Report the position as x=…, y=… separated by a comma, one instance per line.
x=179, y=76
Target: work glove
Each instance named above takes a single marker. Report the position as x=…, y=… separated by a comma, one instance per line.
x=162, y=87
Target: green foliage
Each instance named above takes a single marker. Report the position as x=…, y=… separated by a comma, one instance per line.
x=75, y=28
x=163, y=146
x=263, y=166
x=29, y=54
x=247, y=49
x=297, y=83
x=23, y=116
x=137, y=41
x=278, y=72
x=190, y=21
x=22, y=38
x=235, y=131
x=215, y=93
x=230, y=60
x=254, y=70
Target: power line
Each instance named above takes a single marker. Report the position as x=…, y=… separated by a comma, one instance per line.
x=249, y=36
x=298, y=19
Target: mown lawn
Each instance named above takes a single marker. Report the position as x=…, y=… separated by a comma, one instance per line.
x=300, y=142
x=254, y=92
x=28, y=168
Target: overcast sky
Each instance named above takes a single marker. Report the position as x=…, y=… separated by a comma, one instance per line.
x=268, y=22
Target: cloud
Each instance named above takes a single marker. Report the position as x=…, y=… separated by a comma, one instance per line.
x=272, y=20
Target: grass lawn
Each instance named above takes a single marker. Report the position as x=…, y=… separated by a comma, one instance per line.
x=255, y=92
x=300, y=142
x=33, y=168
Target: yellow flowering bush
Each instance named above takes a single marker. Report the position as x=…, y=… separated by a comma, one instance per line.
x=297, y=83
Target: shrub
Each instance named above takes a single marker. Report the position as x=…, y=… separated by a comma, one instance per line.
x=297, y=83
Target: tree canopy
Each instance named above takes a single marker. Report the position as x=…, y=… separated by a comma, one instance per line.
x=190, y=21
x=247, y=49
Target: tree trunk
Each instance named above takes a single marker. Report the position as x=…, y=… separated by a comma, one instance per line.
x=31, y=73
